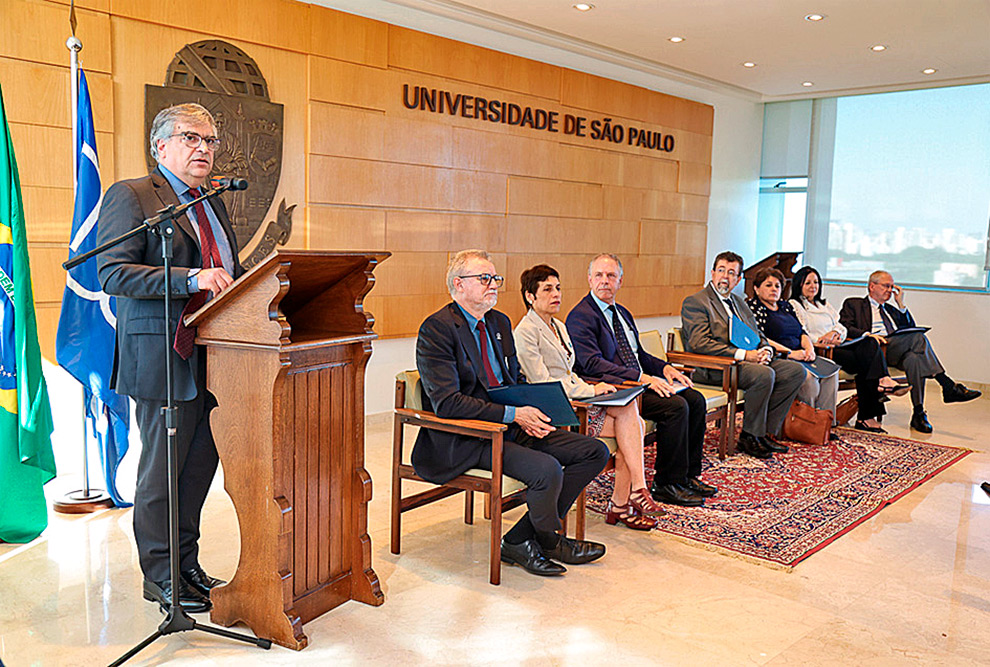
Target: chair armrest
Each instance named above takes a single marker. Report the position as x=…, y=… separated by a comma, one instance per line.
x=701, y=360
x=475, y=427
x=824, y=350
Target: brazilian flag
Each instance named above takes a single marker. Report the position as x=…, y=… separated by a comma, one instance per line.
x=26, y=460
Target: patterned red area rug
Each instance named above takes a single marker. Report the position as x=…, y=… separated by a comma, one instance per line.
x=782, y=510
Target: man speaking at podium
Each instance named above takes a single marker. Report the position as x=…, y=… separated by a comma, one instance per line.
x=183, y=141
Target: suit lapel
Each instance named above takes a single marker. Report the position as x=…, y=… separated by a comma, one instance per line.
x=168, y=198
x=601, y=316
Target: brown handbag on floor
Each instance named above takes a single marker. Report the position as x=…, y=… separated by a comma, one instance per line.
x=804, y=423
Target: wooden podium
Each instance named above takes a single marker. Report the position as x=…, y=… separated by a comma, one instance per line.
x=287, y=345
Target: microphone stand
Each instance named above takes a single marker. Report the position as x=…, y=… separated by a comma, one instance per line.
x=176, y=620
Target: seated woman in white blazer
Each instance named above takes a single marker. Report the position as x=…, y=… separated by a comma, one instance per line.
x=545, y=354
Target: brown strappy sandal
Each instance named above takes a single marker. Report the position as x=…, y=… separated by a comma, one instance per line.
x=628, y=515
x=641, y=500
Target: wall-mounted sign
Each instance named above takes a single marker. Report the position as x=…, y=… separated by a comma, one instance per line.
x=228, y=82
x=433, y=100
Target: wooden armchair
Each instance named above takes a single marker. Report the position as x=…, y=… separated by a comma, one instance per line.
x=723, y=401
x=503, y=493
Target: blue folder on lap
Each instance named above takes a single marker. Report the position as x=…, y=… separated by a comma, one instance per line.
x=549, y=397
x=742, y=336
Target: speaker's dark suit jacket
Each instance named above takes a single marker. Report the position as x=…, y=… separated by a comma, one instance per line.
x=595, y=349
x=454, y=387
x=857, y=316
x=135, y=270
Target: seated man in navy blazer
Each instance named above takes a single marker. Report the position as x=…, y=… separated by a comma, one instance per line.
x=464, y=349
x=872, y=315
x=607, y=348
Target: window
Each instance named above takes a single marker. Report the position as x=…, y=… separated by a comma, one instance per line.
x=910, y=187
x=780, y=221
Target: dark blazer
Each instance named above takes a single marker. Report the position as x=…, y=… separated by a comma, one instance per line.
x=595, y=349
x=857, y=316
x=454, y=387
x=134, y=272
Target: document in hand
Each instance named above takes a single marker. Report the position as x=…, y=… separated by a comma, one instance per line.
x=549, y=397
x=821, y=367
x=616, y=398
x=907, y=330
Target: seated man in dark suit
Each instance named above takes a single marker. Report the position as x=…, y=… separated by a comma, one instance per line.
x=770, y=384
x=464, y=349
x=607, y=348
x=872, y=315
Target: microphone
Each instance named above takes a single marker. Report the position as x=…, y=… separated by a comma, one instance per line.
x=229, y=183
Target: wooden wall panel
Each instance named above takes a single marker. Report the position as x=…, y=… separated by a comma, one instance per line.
x=420, y=52
x=348, y=37
x=364, y=171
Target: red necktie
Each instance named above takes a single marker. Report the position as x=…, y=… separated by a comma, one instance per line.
x=186, y=336
x=483, y=337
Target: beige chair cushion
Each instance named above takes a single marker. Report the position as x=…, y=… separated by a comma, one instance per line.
x=414, y=401
x=711, y=392
x=653, y=344
x=611, y=443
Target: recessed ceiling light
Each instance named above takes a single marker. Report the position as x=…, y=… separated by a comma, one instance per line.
x=583, y=7
x=878, y=48
x=675, y=40
x=929, y=70
x=814, y=17
x=748, y=64
x=808, y=84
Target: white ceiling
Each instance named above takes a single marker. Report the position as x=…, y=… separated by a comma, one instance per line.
x=952, y=36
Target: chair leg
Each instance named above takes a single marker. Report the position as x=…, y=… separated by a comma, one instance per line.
x=488, y=506
x=495, y=540
x=469, y=507
x=723, y=437
x=581, y=503
x=395, y=541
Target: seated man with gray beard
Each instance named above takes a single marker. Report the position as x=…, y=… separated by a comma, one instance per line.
x=771, y=384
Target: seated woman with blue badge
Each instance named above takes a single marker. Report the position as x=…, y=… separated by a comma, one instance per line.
x=862, y=357
x=545, y=354
x=788, y=338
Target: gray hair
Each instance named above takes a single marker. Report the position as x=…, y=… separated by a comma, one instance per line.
x=164, y=124
x=877, y=275
x=608, y=255
x=455, y=268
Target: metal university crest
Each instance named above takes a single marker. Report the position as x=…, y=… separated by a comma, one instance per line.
x=227, y=81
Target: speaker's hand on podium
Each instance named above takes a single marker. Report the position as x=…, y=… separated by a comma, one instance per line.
x=216, y=280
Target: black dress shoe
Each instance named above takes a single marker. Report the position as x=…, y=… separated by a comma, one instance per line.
x=575, y=552
x=190, y=599
x=529, y=557
x=958, y=394
x=774, y=445
x=863, y=426
x=920, y=423
x=675, y=494
x=750, y=444
x=201, y=581
x=700, y=488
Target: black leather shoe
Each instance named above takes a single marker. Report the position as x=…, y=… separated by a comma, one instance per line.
x=201, y=581
x=774, y=445
x=750, y=444
x=529, y=557
x=863, y=426
x=675, y=494
x=959, y=394
x=699, y=488
x=575, y=552
x=920, y=423
x=189, y=598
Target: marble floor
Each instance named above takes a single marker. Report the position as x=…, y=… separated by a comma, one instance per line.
x=909, y=586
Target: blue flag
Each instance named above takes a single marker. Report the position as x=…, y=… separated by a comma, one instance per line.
x=26, y=460
x=87, y=326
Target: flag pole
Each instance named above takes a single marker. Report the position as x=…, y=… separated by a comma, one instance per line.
x=86, y=500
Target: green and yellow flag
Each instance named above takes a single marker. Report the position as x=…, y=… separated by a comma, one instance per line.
x=26, y=460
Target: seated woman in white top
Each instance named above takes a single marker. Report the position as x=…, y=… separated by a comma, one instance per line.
x=545, y=354
x=864, y=358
